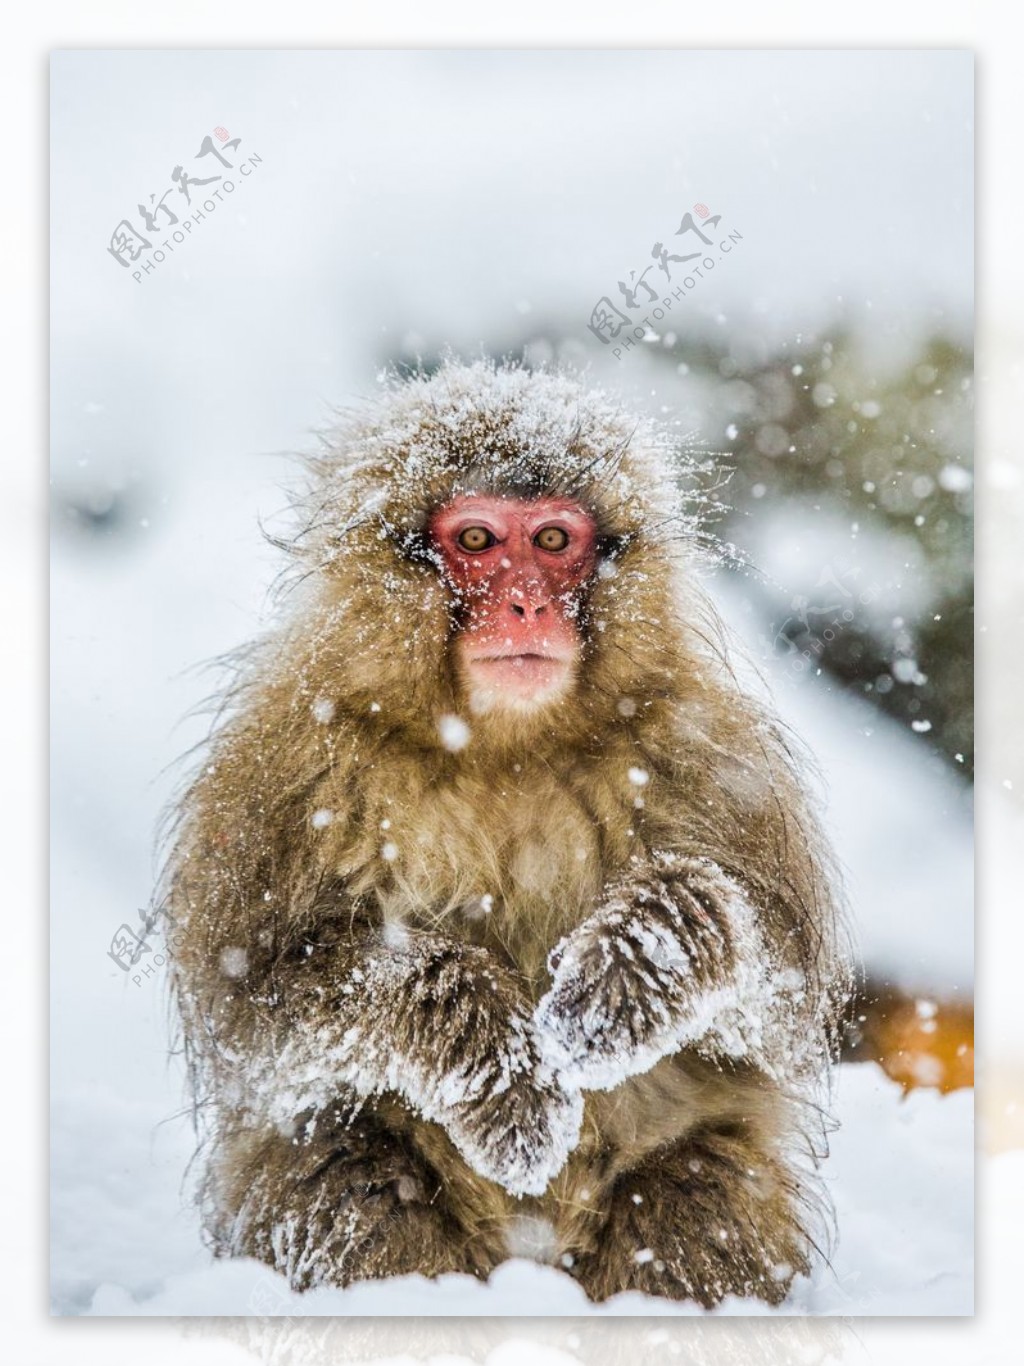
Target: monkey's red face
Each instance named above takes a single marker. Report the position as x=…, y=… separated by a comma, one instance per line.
x=518, y=568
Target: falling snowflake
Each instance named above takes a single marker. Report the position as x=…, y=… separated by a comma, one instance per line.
x=454, y=733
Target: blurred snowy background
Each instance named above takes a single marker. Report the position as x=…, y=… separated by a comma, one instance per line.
x=399, y=203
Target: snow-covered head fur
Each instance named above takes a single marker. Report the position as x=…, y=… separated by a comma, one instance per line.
x=485, y=428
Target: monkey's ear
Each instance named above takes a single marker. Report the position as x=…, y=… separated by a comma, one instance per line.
x=415, y=547
x=406, y=535
x=610, y=547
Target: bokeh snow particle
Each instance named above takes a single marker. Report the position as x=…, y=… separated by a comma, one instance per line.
x=454, y=732
x=323, y=710
x=955, y=479
x=531, y=1236
x=234, y=962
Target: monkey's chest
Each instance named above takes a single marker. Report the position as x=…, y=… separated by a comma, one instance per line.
x=504, y=871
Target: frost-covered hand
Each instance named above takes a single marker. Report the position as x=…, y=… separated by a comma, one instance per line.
x=511, y=1118
x=447, y=1028
x=643, y=975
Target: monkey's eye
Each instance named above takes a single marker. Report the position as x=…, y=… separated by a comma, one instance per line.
x=551, y=538
x=476, y=538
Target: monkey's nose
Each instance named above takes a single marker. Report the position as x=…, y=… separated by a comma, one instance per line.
x=520, y=610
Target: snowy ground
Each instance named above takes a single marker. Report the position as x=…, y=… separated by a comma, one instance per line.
x=900, y=1173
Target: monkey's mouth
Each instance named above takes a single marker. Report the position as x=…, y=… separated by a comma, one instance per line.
x=527, y=676
x=525, y=656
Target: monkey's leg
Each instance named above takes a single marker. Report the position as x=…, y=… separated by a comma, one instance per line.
x=711, y=1215
x=344, y=1201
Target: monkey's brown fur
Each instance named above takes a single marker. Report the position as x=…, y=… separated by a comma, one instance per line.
x=361, y=915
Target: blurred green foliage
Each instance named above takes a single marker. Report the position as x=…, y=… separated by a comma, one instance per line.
x=883, y=451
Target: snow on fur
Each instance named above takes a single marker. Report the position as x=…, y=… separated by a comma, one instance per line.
x=593, y=1047
x=316, y=1065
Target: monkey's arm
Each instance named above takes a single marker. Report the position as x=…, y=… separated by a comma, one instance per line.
x=441, y=1024
x=671, y=956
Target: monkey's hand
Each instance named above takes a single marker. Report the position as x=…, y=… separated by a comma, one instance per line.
x=508, y=1113
x=667, y=958
x=446, y=1027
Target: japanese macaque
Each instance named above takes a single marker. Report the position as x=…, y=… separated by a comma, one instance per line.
x=502, y=921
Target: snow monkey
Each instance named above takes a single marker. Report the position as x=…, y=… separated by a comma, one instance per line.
x=502, y=920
